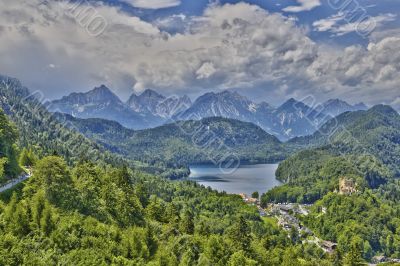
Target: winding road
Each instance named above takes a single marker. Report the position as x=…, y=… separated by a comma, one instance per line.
x=10, y=184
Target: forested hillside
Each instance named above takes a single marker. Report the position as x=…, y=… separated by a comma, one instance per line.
x=184, y=142
x=9, y=167
x=351, y=177
x=363, y=146
x=311, y=174
x=46, y=134
x=41, y=131
x=373, y=132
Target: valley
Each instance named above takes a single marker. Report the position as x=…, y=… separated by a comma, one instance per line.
x=82, y=158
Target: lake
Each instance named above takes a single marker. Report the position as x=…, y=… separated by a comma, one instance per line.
x=246, y=179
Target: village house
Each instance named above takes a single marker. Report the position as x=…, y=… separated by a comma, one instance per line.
x=248, y=199
x=347, y=186
x=328, y=246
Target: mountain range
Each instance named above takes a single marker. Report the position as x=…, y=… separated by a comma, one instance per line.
x=147, y=110
x=374, y=132
x=158, y=105
x=151, y=109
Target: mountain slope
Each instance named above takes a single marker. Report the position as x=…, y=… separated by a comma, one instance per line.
x=145, y=102
x=291, y=119
x=359, y=123
x=102, y=103
x=375, y=131
x=158, y=105
x=363, y=146
x=185, y=142
x=224, y=104
x=335, y=107
x=40, y=129
x=52, y=133
x=294, y=118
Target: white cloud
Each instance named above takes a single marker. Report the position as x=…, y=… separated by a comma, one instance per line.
x=304, y=5
x=230, y=46
x=153, y=4
x=341, y=23
x=382, y=34
x=205, y=71
x=328, y=23
x=173, y=23
x=367, y=74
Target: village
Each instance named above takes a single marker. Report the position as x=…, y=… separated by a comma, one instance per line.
x=286, y=216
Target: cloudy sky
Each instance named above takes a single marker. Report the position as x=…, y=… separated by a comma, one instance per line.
x=266, y=49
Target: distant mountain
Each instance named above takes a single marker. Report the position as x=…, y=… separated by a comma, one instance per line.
x=360, y=107
x=291, y=119
x=224, y=104
x=186, y=142
x=158, y=105
x=172, y=106
x=99, y=97
x=151, y=109
x=102, y=103
x=145, y=102
x=294, y=118
x=335, y=107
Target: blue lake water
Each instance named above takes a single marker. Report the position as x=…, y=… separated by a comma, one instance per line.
x=246, y=179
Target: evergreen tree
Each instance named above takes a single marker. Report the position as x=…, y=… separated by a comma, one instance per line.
x=203, y=261
x=11, y=208
x=354, y=256
x=51, y=173
x=255, y=195
x=155, y=209
x=172, y=215
x=294, y=235
x=46, y=222
x=27, y=158
x=240, y=233
x=142, y=193
x=187, y=223
x=8, y=153
x=216, y=250
x=389, y=245
x=239, y=259
x=290, y=258
x=123, y=177
x=3, y=163
x=37, y=206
